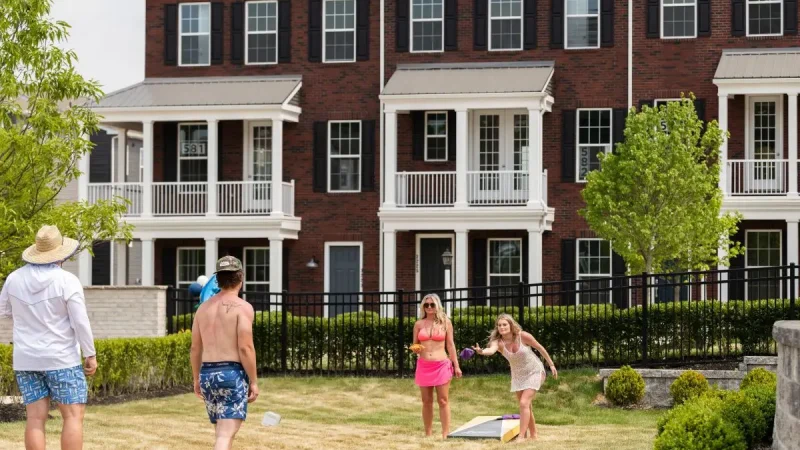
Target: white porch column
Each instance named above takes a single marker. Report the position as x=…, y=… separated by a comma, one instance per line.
x=534, y=158
x=792, y=98
x=120, y=259
x=390, y=163
x=83, y=180
x=462, y=258
x=534, y=256
x=147, y=180
x=121, y=155
x=723, y=277
x=212, y=251
x=148, y=260
x=277, y=168
x=85, y=268
x=213, y=164
x=276, y=265
x=462, y=163
x=723, y=151
x=389, y=270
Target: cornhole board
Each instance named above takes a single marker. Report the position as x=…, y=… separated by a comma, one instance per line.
x=488, y=427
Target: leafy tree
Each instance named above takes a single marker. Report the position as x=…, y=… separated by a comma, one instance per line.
x=44, y=128
x=657, y=197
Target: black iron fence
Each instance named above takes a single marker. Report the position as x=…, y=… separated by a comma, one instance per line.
x=644, y=320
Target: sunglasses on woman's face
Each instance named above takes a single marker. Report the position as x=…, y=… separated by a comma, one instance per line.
x=429, y=305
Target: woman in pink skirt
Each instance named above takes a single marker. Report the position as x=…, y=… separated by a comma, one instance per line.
x=527, y=370
x=437, y=362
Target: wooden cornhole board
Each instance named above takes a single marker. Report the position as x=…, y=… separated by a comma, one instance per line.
x=488, y=427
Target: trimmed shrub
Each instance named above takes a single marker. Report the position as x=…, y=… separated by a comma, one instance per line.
x=759, y=377
x=625, y=387
x=690, y=384
x=743, y=412
x=764, y=397
x=699, y=425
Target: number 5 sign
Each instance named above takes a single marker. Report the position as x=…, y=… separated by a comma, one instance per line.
x=193, y=149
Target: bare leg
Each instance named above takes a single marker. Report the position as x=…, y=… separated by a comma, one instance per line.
x=427, y=408
x=525, y=415
x=532, y=427
x=72, y=429
x=443, y=397
x=225, y=431
x=34, y=426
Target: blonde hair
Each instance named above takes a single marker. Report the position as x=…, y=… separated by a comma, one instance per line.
x=440, y=317
x=515, y=328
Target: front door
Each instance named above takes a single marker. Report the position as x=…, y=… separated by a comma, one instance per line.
x=259, y=169
x=431, y=267
x=344, y=272
x=500, y=158
x=766, y=175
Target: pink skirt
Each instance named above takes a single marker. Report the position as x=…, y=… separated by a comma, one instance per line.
x=433, y=373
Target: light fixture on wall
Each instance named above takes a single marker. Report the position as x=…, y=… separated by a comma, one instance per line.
x=312, y=263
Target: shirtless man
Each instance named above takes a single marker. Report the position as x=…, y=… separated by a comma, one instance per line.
x=222, y=340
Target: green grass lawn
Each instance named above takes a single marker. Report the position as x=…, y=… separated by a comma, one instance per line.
x=343, y=413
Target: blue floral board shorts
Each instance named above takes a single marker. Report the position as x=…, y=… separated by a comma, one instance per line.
x=224, y=386
x=65, y=386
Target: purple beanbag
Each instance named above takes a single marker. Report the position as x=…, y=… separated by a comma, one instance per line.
x=510, y=416
x=467, y=353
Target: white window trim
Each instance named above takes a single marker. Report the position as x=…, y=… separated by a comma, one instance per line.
x=750, y=118
x=566, y=26
x=325, y=34
x=331, y=157
x=609, y=146
x=446, y=131
x=326, y=266
x=411, y=28
x=747, y=18
x=178, y=264
x=247, y=33
x=181, y=34
x=181, y=158
x=609, y=275
x=489, y=273
x=418, y=255
x=746, y=246
x=665, y=100
x=661, y=24
x=244, y=255
x=521, y=28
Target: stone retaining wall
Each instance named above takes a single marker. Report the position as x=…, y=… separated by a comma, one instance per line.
x=786, y=435
x=658, y=381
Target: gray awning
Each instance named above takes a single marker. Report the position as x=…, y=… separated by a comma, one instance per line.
x=474, y=78
x=759, y=64
x=203, y=92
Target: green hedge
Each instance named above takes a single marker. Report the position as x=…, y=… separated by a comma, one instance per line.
x=126, y=366
x=574, y=336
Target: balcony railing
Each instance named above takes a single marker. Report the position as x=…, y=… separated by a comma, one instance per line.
x=757, y=177
x=288, y=198
x=508, y=187
x=426, y=188
x=244, y=197
x=132, y=192
x=484, y=188
x=180, y=199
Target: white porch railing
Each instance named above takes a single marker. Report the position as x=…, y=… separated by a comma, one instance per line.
x=288, y=198
x=507, y=187
x=244, y=197
x=180, y=199
x=132, y=192
x=757, y=177
x=426, y=188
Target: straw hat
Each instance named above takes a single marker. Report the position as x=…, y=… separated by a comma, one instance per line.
x=50, y=247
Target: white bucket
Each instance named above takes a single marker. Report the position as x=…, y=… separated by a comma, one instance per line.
x=271, y=419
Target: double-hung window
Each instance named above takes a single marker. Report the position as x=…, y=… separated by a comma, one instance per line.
x=583, y=24
x=262, y=32
x=763, y=251
x=764, y=17
x=191, y=264
x=195, y=34
x=436, y=136
x=594, y=262
x=658, y=103
x=192, y=152
x=594, y=137
x=256, y=271
x=339, y=36
x=679, y=19
x=505, y=25
x=427, y=25
x=344, y=152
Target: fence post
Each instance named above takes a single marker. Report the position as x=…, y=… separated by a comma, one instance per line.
x=792, y=293
x=645, y=320
x=284, y=331
x=171, y=299
x=521, y=304
x=401, y=347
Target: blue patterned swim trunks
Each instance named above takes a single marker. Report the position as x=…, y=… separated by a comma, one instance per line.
x=224, y=386
x=65, y=386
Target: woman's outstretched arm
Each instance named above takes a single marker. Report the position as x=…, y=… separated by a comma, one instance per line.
x=528, y=339
x=488, y=351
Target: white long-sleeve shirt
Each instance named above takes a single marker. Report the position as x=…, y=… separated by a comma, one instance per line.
x=50, y=324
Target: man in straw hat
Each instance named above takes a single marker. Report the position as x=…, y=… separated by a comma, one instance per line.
x=223, y=356
x=51, y=327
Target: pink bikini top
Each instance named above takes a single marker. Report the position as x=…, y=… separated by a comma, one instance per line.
x=437, y=336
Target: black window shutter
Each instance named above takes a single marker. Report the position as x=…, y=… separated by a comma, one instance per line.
x=790, y=17
x=171, y=35
x=368, y=155
x=557, y=24
x=568, y=145
x=568, y=271
x=320, y=156
x=736, y=277
x=217, y=10
x=284, y=31
x=704, y=17
x=401, y=25
x=237, y=33
x=220, y=151
x=418, y=135
x=529, y=24
x=525, y=244
x=101, y=263
x=100, y=159
x=653, y=18
x=362, y=30
x=450, y=25
x=480, y=30
x=451, y=135
x=479, y=264
x=607, y=23
x=619, y=294
x=620, y=115
x=286, y=253
x=315, y=30
x=738, y=15
x=169, y=260
x=169, y=131
x=643, y=103
x=700, y=108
